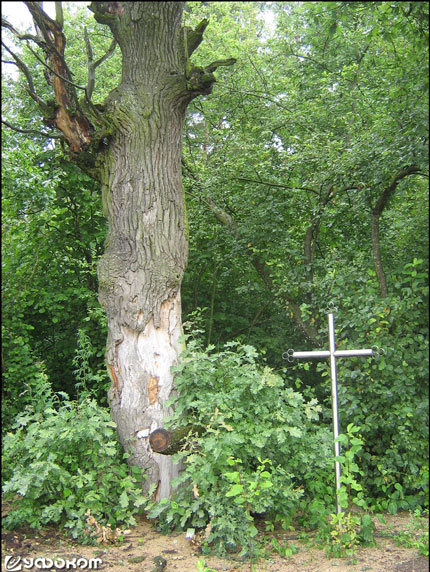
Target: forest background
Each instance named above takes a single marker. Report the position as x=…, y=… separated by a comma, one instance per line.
x=306, y=184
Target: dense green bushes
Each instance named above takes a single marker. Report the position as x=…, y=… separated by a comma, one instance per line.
x=20, y=378
x=262, y=450
x=62, y=463
x=266, y=449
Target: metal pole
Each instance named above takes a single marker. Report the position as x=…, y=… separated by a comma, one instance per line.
x=335, y=409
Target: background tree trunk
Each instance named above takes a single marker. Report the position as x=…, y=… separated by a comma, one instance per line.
x=377, y=211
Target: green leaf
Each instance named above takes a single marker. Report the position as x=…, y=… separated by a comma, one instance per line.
x=392, y=507
x=235, y=490
x=123, y=499
x=232, y=476
x=252, y=531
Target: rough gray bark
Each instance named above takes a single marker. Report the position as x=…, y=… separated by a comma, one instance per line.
x=145, y=257
x=132, y=146
x=141, y=270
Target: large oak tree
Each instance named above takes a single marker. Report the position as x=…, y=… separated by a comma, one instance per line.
x=132, y=146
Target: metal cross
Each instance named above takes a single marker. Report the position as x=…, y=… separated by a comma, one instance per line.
x=333, y=354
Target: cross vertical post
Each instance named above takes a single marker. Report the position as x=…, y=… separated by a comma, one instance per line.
x=333, y=354
x=334, y=408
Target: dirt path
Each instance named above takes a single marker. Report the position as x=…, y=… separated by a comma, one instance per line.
x=174, y=553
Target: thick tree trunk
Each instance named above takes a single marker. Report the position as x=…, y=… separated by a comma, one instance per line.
x=141, y=271
x=132, y=146
x=145, y=255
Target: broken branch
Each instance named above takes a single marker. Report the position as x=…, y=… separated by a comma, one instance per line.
x=194, y=37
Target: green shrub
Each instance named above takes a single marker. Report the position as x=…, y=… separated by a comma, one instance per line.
x=21, y=375
x=62, y=459
x=90, y=368
x=248, y=413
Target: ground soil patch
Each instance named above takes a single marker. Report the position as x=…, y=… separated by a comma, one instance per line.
x=177, y=554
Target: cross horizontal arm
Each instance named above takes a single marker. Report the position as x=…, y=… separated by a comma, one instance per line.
x=352, y=353
x=312, y=354
x=325, y=354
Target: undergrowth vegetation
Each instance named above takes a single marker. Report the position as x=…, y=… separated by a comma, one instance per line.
x=62, y=463
x=264, y=452
x=260, y=453
x=264, y=455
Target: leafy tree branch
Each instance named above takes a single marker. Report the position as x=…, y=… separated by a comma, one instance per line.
x=308, y=328
x=30, y=82
x=31, y=131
